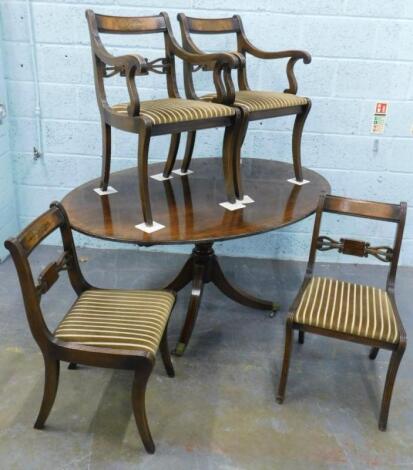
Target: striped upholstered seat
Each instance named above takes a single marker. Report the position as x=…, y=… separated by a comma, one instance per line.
x=264, y=100
x=122, y=319
x=348, y=308
x=171, y=110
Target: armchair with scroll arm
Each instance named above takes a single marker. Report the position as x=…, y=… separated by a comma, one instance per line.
x=171, y=115
x=253, y=104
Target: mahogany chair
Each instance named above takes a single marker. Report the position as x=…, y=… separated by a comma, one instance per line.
x=171, y=115
x=349, y=311
x=253, y=104
x=119, y=329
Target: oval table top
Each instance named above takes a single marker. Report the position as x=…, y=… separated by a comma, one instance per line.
x=189, y=207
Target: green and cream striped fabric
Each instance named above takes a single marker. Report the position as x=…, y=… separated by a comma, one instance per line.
x=171, y=110
x=349, y=308
x=264, y=100
x=120, y=319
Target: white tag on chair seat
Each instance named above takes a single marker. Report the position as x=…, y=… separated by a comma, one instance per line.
x=110, y=190
x=299, y=183
x=161, y=177
x=149, y=228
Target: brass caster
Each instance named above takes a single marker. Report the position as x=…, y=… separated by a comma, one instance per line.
x=179, y=349
x=275, y=308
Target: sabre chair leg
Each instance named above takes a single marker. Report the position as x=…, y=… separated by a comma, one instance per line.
x=286, y=362
x=166, y=356
x=296, y=141
x=143, y=150
x=51, y=382
x=373, y=353
x=139, y=411
x=301, y=336
x=395, y=360
x=106, y=155
x=173, y=152
x=228, y=162
x=239, y=140
x=189, y=149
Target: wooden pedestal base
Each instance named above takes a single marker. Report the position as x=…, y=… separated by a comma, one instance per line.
x=203, y=267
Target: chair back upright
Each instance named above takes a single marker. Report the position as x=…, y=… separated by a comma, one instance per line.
x=122, y=25
x=232, y=25
x=23, y=245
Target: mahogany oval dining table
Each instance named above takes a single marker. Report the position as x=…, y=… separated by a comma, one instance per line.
x=188, y=207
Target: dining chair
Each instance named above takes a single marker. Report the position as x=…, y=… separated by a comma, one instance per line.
x=253, y=104
x=113, y=328
x=347, y=310
x=171, y=115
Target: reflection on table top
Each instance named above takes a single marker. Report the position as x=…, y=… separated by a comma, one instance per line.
x=189, y=207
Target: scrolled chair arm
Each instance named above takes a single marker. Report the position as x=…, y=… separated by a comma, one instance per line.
x=221, y=63
x=130, y=65
x=293, y=55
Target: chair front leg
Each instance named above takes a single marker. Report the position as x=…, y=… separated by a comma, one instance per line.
x=395, y=360
x=166, y=356
x=286, y=361
x=189, y=149
x=173, y=152
x=239, y=140
x=296, y=143
x=51, y=382
x=106, y=155
x=228, y=157
x=301, y=336
x=143, y=151
x=138, y=404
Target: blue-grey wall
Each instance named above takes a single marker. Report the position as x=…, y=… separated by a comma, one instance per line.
x=8, y=212
x=362, y=53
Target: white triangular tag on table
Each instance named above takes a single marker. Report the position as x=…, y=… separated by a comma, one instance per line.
x=182, y=173
x=298, y=183
x=110, y=190
x=161, y=177
x=246, y=200
x=232, y=206
x=149, y=228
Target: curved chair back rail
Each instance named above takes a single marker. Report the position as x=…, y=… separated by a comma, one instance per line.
x=104, y=327
x=350, y=311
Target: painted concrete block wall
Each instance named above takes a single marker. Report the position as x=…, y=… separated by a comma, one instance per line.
x=8, y=210
x=362, y=52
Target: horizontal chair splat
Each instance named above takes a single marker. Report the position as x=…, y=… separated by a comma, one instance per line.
x=355, y=248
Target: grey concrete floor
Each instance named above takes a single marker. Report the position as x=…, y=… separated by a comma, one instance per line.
x=219, y=412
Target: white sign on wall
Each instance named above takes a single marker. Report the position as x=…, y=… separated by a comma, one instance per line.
x=379, y=118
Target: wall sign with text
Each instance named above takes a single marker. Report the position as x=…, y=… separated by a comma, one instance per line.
x=379, y=118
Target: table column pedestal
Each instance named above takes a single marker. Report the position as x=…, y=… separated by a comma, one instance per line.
x=200, y=268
